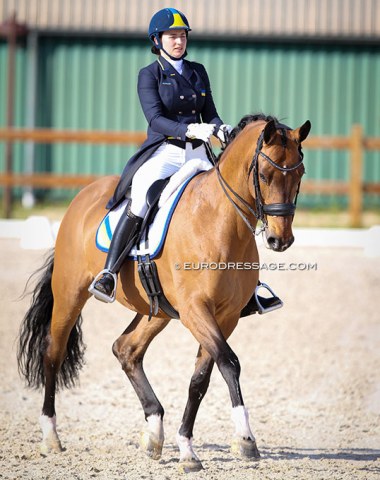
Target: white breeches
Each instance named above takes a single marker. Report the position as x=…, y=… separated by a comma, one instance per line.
x=165, y=161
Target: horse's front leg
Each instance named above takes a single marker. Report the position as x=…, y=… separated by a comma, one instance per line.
x=130, y=349
x=189, y=462
x=203, y=325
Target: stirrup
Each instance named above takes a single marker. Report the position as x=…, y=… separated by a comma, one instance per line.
x=275, y=303
x=103, y=297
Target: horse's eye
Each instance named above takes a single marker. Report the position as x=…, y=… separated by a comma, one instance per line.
x=262, y=177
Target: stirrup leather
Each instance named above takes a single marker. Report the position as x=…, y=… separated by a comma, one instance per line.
x=275, y=303
x=103, y=297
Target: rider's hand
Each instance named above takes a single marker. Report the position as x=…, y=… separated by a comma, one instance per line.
x=224, y=133
x=202, y=131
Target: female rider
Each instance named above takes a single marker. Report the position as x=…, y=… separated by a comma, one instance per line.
x=176, y=99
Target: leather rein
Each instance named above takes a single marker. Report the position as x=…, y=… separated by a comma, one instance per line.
x=273, y=209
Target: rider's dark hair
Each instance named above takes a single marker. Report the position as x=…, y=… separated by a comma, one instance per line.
x=155, y=49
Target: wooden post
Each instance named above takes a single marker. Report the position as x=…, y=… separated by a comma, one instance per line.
x=356, y=180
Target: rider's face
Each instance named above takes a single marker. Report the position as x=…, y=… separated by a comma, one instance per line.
x=174, y=43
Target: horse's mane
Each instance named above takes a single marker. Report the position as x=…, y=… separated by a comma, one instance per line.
x=247, y=119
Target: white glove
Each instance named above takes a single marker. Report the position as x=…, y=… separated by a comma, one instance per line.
x=202, y=131
x=224, y=132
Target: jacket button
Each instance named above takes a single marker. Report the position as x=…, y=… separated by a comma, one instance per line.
x=194, y=95
x=193, y=111
x=181, y=97
x=179, y=113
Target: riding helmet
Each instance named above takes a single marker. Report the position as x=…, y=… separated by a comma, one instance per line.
x=163, y=20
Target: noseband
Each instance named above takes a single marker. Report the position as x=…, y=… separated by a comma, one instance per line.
x=272, y=209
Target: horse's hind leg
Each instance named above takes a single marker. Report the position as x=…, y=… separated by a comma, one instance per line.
x=50, y=349
x=130, y=349
x=199, y=383
x=62, y=359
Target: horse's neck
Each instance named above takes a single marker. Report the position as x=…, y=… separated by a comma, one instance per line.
x=234, y=167
x=217, y=207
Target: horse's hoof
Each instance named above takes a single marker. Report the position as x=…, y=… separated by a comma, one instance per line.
x=190, y=466
x=51, y=445
x=244, y=448
x=151, y=446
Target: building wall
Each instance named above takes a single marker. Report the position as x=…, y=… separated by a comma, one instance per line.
x=90, y=83
x=239, y=18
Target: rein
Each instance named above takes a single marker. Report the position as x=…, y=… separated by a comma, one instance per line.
x=274, y=209
x=225, y=186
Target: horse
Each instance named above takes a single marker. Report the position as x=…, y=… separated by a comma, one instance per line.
x=256, y=179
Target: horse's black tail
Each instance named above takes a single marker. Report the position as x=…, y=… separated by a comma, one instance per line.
x=32, y=341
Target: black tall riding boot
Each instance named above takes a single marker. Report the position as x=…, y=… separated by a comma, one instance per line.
x=125, y=234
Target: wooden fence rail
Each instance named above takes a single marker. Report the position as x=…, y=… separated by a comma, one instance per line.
x=356, y=143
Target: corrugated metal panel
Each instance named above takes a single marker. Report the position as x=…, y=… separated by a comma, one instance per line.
x=88, y=84
x=19, y=103
x=334, y=87
x=321, y=18
x=3, y=86
x=94, y=86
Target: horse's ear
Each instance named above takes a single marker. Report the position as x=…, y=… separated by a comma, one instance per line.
x=269, y=131
x=302, y=132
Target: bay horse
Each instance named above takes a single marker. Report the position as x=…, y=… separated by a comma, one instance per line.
x=257, y=177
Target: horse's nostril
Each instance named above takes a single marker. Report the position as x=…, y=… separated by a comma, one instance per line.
x=273, y=242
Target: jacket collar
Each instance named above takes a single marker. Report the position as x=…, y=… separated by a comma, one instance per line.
x=187, y=70
x=168, y=68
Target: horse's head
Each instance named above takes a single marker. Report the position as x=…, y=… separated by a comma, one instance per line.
x=274, y=179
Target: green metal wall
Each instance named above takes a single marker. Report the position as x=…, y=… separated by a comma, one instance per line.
x=91, y=84
x=19, y=102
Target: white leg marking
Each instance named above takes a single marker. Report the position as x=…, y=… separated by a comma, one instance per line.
x=156, y=427
x=50, y=439
x=152, y=437
x=48, y=425
x=186, y=451
x=240, y=418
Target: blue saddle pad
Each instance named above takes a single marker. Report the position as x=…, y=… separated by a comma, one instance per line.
x=157, y=230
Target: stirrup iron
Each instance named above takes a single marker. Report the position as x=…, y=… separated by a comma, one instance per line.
x=275, y=301
x=103, y=297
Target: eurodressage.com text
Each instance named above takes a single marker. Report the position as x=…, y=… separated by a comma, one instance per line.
x=246, y=266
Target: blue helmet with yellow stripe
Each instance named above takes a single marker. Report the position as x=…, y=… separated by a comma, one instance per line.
x=167, y=19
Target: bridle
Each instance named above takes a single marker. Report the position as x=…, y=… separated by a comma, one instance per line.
x=272, y=209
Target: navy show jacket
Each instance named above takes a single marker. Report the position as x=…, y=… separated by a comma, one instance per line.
x=170, y=102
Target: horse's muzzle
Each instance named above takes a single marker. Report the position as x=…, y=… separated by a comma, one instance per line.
x=279, y=244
